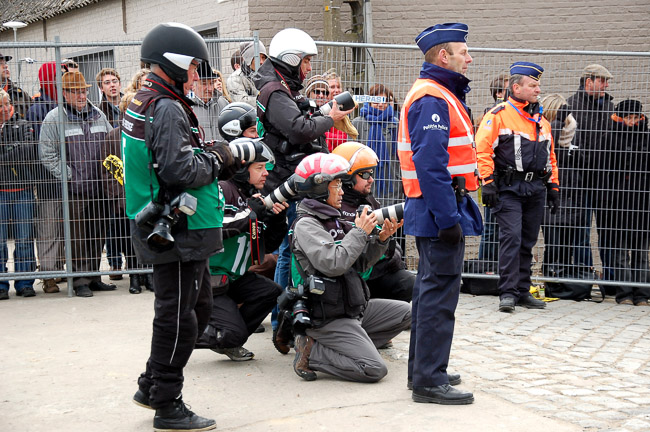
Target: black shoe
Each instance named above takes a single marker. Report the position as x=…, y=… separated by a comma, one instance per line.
x=134, y=284
x=237, y=354
x=454, y=380
x=443, y=395
x=28, y=292
x=531, y=302
x=507, y=304
x=140, y=398
x=260, y=329
x=83, y=291
x=177, y=417
x=4, y=294
x=101, y=286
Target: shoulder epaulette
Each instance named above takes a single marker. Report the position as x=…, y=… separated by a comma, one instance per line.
x=498, y=108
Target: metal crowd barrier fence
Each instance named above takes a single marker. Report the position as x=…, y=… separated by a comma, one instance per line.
x=607, y=227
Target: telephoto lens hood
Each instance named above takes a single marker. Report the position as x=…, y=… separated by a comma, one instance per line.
x=394, y=211
x=344, y=100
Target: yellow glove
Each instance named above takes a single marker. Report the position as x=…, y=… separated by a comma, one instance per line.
x=345, y=125
x=114, y=165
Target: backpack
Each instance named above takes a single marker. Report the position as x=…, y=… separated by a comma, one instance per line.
x=577, y=291
x=480, y=286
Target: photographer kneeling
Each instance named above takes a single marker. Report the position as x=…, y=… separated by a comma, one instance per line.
x=328, y=253
x=242, y=299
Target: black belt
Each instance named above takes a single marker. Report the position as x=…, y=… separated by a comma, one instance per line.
x=528, y=176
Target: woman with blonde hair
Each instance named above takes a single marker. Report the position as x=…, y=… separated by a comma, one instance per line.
x=133, y=87
x=560, y=230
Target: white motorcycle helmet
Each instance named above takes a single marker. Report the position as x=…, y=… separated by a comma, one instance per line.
x=291, y=45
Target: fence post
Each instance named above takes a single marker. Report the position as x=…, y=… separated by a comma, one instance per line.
x=67, y=237
x=256, y=46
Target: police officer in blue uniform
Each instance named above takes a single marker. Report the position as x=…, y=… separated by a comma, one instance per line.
x=438, y=213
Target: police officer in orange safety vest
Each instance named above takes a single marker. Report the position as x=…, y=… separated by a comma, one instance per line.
x=516, y=159
x=438, y=164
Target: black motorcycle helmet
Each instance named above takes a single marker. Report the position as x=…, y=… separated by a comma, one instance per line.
x=242, y=176
x=235, y=118
x=173, y=46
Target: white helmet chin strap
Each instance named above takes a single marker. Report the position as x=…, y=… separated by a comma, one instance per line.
x=182, y=61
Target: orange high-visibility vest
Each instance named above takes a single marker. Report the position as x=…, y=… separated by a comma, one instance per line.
x=461, y=147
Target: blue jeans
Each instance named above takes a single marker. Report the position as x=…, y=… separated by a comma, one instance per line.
x=283, y=266
x=17, y=208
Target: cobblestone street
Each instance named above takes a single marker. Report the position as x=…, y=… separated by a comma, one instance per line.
x=583, y=362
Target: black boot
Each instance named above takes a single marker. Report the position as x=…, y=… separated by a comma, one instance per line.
x=147, y=281
x=177, y=417
x=134, y=284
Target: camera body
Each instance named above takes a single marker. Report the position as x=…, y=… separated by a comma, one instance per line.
x=394, y=211
x=295, y=298
x=162, y=217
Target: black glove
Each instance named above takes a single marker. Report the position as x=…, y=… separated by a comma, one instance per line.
x=229, y=166
x=257, y=205
x=553, y=197
x=490, y=194
x=451, y=235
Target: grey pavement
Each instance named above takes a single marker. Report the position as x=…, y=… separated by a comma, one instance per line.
x=70, y=364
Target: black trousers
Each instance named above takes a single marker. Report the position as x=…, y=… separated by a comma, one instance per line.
x=519, y=218
x=231, y=324
x=435, y=297
x=395, y=286
x=183, y=304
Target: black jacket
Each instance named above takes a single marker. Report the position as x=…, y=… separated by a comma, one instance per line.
x=18, y=155
x=592, y=116
x=284, y=121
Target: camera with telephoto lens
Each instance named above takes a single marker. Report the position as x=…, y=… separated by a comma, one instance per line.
x=394, y=211
x=291, y=188
x=344, y=101
x=162, y=217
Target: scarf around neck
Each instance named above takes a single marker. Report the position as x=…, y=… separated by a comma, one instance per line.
x=377, y=121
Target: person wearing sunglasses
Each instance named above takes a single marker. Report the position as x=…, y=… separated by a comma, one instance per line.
x=389, y=278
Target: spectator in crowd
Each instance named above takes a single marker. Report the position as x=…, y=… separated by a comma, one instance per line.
x=519, y=173
x=438, y=211
x=114, y=190
x=488, y=249
x=377, y=125
x=560, y=229
x=241, y=299
x=623, y=207
x=241, y=85
x=220, y=86
x=318, y=90
x=49, y=210
x=85, y=128
x=388, y=278
x=592, y=107
x=290, y=131
x=334, y=137
x=17, y=157
x=20, y=100
x=347, y=327
x=208, y=102
x=235, y=61
x=69, y=65
x=110, y=87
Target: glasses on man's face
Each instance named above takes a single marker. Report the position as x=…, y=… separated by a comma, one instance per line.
x=365, y=174
x=112, y=81
x=319, y=92
x=336, y=186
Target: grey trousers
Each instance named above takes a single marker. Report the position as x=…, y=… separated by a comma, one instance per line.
x=49, y=234
x=347, y=348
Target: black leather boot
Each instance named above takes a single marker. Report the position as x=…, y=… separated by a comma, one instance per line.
x=147, y=281
x=134, y=284
x=177, y=417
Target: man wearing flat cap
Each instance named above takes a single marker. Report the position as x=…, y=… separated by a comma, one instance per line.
x=516, y=160
x=592, y=107
x=208, y=102
x=85, y=128
x=438, y=164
